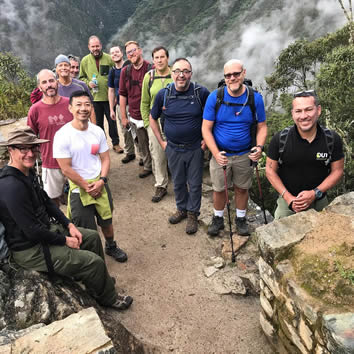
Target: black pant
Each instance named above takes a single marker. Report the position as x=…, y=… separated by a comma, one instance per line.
x=101, y=110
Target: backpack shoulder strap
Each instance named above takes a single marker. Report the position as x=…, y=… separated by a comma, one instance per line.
x=219, y=98
x=197, y=94
x=283, y=138
x=329, y=137
x=151, y=81
x=166, y=95
x=251, y=103
x=128, y=74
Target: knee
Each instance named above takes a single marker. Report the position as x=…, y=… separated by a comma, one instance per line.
x=241, y=191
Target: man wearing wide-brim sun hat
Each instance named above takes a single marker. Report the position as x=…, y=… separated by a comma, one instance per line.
x=35, y=241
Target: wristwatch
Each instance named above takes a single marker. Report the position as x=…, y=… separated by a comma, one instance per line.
x=104, y=179
x=261, y=146
x=318, y=194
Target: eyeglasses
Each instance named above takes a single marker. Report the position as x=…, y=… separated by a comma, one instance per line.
x=26, y=149
x=184, y=71
x=235, y=74
x=132, y=51
x=308, y=93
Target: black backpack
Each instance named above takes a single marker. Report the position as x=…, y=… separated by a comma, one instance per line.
x=152, y=73
x=128, y=75
x=283, y=138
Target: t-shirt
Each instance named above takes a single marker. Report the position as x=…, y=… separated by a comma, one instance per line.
x=183, y=115
x=76, y=85
x=83, y=147
x=113, y=80
x=233, y=132
x=303, y=166
x=131, y=87
x=46, y=120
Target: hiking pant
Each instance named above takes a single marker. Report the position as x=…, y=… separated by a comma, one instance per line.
x=159, y=160
x=128, y=139
x=85, y=264
x=101, y=110
x=283, y=210
x=143, y=144
x=186, y=168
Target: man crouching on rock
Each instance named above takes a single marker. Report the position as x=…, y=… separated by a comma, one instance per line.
x=39, y=235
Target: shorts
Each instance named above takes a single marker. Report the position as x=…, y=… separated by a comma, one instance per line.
x=85, y=216
x=238, y=171
x=53, y=181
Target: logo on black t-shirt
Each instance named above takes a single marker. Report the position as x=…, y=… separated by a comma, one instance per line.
x=321, y=156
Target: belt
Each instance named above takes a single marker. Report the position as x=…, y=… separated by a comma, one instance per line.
x=184, y=146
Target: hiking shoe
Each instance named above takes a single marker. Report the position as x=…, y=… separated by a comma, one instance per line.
x=122, y=302
x=192, y=223
x=177, y=217
x=159, y=194
x=128, y=158
x=242, y=227
x=145, y=173
x=217, y=224
x=118, y=149
x=141, y=162
x=117, y=253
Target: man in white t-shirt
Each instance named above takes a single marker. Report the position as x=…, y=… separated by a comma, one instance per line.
x=81, y=150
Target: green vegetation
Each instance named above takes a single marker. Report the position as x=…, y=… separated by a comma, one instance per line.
x=15, y=88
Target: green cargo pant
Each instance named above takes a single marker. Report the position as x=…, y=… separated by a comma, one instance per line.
x=283, y=210
x=85, y=264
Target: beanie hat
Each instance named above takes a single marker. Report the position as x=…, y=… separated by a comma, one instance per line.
x=61, y=58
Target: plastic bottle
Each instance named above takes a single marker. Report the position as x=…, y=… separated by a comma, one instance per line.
x=94, y=80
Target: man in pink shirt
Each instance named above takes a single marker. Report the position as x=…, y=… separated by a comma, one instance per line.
x=46, y=117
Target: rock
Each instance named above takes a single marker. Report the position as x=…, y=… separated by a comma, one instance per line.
x=277, y=238
x=339, y=331
x=267, y=275
x=81, y=332
x=251, y=282
x=266, y=306
x=8, y=336
x=209, y=271
x=295, y=338
x=267, y=327
x=228, y=283
x=218, y=262
x=305, y=334
x=238, y=241
x=344, y=205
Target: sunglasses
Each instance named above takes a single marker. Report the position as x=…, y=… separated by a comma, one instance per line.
x=235, y=74
x=26, y=149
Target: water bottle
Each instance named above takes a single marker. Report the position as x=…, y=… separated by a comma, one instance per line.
x=94, y=80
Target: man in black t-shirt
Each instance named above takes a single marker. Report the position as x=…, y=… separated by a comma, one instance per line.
x=304, y=175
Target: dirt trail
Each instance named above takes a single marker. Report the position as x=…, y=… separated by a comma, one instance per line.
x=174, y=306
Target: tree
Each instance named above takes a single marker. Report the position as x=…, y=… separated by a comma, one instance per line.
x=349, y=15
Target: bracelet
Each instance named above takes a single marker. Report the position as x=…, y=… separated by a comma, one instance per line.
x=282, y=195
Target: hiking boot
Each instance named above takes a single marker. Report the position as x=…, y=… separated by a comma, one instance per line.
x=192, y=223
x=141, y=162
x=159, y=194
x=217, y=224
x=118, y=149
x=242, y=227
x=128, y=158
x=122, y=302
x=177, y=217
x=145, y=173
x=117, y=253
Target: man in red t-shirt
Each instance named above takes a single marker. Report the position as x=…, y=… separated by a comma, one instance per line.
x=46, y=117
x=130, y=85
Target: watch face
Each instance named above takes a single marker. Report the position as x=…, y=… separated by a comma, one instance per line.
x=318, y=193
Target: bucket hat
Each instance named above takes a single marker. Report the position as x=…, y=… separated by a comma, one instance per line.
x=22, y=136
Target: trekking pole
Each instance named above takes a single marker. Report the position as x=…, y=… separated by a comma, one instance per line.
x=233, y=257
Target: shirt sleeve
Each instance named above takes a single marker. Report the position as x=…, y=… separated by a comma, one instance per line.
x=122, y=87
x=273, y=148
x=337, y=148
x=156, y=109
x=103, y=141
x=209, y=109
x=61, y=148
x=83, y=71
x=145, y=100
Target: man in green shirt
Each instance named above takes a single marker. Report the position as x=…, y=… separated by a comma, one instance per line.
x=155, y=80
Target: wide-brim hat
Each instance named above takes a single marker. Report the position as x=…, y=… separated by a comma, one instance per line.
x=22, y=136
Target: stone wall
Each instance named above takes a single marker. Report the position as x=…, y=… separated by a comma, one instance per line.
x=293, y=320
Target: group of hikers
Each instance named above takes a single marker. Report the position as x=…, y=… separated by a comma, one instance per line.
x=166, y=119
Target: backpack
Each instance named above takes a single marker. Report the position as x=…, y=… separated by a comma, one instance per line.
x=168, y=95
x=153, y=77
x=283, y=138
x=128, y=75
x=4, y=250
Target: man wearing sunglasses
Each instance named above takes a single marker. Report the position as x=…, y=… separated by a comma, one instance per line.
x=227, y=133
x=301, y=166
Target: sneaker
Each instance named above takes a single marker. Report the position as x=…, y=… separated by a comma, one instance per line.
x=141, y=162
x=217, y=224
x=145, y=173
x=117, y=253
x=118, y=149
x=242, y=227
x=192, y=223
x=122, y=302
x=159, y=194
x=128, y=158
x=177, y=217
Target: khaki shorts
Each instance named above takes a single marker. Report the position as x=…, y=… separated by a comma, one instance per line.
x=238, y=171
x=53, y=181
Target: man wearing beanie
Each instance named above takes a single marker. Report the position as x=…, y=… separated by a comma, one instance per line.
x=94, y=71
x=66, y=84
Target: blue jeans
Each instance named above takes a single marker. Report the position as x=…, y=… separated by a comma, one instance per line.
x=186, y=168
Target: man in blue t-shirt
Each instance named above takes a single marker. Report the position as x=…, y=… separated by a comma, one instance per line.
x=181, y=104
x=227, y=133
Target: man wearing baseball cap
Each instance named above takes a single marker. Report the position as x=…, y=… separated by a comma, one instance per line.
x=36, y=242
